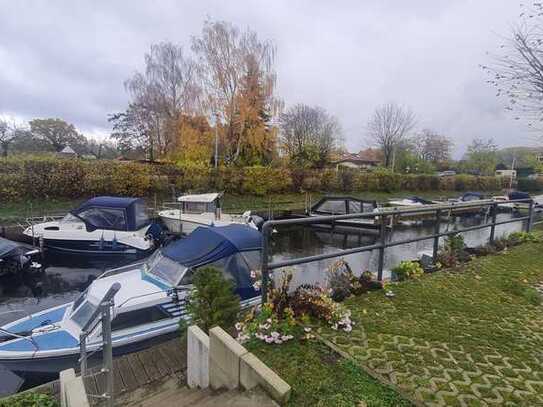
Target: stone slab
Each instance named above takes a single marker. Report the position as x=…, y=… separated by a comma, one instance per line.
x=253, y=372
x=197, y=358
x=224, y=359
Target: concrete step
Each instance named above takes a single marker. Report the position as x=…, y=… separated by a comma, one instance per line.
x=237, y=398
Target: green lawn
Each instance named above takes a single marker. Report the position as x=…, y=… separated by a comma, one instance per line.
x=466, y=337
x=320, y=377
x=473, y=336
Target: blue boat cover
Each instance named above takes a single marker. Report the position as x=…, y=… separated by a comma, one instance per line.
x=206, y=245
x=518, y=195
x=113, y=213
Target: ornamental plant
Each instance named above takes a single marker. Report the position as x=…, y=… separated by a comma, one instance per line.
x=407, y=270
x=281, y=319
x=212, y=301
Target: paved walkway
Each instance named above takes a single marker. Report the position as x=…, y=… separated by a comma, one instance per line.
x=457, y=339
x=171, y=392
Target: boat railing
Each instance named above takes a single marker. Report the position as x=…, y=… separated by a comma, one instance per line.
x=102, y=315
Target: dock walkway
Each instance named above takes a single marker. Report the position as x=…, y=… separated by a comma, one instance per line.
x=164, y=361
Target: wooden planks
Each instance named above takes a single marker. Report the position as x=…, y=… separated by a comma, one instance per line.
x=138, y=369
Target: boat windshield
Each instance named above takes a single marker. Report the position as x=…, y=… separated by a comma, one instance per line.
x=82, y=315
x=164, y=268
x=69, y=218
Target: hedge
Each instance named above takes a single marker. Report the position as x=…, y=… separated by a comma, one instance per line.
x=48, y=177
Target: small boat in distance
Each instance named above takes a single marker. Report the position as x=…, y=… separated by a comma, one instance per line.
x=345, y=205
x=192, y=211
x=103, y=225
x=413, y=201
x=147, y=308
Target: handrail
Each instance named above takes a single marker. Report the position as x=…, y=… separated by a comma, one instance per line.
x=141, y=296
x=382, y=244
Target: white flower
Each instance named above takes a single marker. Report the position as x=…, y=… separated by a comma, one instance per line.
x=307, y=329
x=348, y=328
x=275, y=334
x=285, y=338
x=269, y=321
x=278, y=341
x=334, y=327
x=269, y=339
x=239, y=326
x=253, y=274
x=256, y=285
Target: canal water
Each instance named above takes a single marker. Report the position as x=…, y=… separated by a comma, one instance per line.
x=64, y=277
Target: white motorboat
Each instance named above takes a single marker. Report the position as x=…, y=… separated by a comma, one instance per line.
x=103, y=225
x=148, y=306
x=205, y=210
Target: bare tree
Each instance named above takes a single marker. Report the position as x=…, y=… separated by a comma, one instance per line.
x=517, y=70
x=432, y=146
x=309, y=134
x=225, y=55
x=166, y=89
x=389, y=126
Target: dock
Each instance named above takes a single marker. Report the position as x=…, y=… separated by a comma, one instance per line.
x=139, y=370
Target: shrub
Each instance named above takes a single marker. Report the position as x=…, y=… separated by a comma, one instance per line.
x=453, y=251
x=279, y=319
x=516, y=238
x=342, y=282
x=30, y=399
x=407, y=270
x=212, y=301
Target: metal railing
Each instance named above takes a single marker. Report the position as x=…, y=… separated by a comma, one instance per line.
x=380, y=219
x=102, y=315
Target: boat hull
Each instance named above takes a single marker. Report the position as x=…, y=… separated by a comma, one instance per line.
x=92, y=247
x=56, y=364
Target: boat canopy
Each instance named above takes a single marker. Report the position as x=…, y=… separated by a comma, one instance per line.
x=203, y=198
x=343, y=205
x=9, y=248
x=233, y=249
x=113, y=213
x=519, y=195
x=206, y=245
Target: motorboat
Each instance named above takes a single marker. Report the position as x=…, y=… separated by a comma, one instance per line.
x=410, y=202
x=346, y=205
x=15, y=257
x=103, y=225
x=192, y=211
x=148, y=306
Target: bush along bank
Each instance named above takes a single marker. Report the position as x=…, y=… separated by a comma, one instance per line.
x=49, y=177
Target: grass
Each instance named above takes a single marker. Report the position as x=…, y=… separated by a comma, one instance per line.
x=319, y=377
x=474, y=333
x=468, y=336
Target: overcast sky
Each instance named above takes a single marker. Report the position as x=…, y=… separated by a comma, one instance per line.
x=69, y=59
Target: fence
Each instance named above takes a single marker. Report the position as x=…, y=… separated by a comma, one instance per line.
x=382, y=219
x=102, y=315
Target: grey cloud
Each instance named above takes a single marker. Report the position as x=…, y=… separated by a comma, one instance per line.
x=69, y=59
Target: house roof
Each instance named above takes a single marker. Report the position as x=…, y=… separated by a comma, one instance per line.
x=68, y=150
x=356, y=159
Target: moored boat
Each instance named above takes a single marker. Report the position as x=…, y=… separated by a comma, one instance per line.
x=147, y=308
x=192, y=211
x=103, y=225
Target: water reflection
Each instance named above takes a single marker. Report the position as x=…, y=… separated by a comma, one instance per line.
x=299, y=241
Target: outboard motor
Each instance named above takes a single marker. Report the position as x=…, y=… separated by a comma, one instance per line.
x=155, y=232
x=256, y=220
